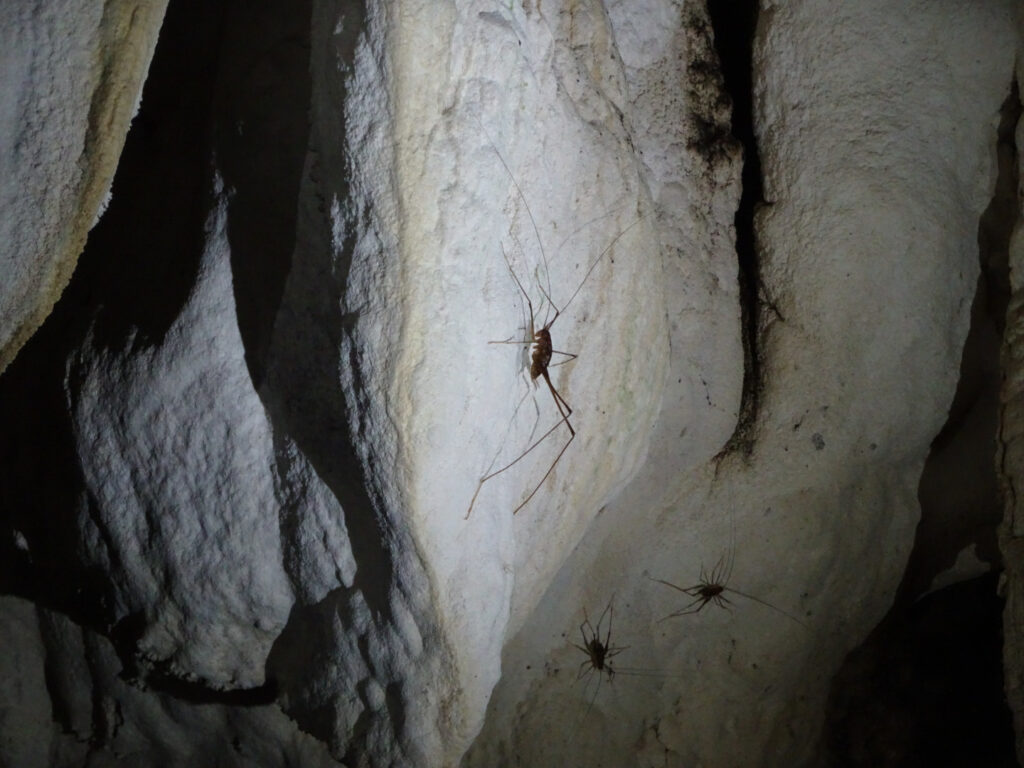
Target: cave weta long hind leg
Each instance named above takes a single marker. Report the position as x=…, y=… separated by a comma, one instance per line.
x=540, y=342
x=542, y=351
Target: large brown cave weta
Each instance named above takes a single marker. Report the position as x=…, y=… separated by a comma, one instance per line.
x=541, y=349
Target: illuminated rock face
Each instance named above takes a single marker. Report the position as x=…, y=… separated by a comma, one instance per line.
x=274, y=394
x=72, y=76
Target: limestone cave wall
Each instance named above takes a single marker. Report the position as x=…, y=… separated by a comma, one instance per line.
x=280, y=488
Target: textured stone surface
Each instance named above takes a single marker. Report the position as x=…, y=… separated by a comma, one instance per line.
x=99, y=719
x=191, y=549
x=868, y=251
x=242, y=451
x=1011, y=467
x=72, y=75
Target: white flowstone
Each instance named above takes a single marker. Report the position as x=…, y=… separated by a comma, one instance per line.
x=868, y=251
x=311, y=538
x=72, y=74
x=178, y=456
x=528, y=160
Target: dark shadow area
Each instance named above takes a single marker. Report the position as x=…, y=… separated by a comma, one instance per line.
x=136, y=272
x=735, y=23
x=230, y=87
x=319, y=642
x=317, y=347
x=260, y=138
x=961, y=502
x=317, y=342
x=926, y=688
x=157, y=676
x=304, y=649
x=161, y=681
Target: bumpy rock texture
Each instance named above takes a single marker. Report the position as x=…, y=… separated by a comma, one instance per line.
x=72, y=76
x=244, y=510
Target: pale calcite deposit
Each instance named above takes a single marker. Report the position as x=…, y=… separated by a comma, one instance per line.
x=72, y=74
x=269, y=552
x=867, y=241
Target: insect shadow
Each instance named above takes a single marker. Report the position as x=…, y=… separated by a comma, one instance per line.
x=711, y=588
x=541, y=346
